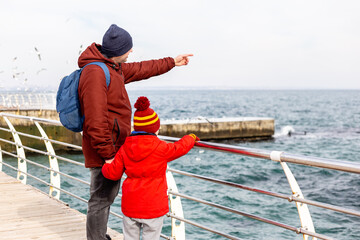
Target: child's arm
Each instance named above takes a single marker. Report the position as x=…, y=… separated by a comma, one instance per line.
x=181, y=147
x=115, y=169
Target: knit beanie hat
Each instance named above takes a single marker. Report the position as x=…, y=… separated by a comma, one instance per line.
x=145, y=119
x=116, y=42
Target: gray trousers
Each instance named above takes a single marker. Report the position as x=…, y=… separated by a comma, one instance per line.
x=151, y=228
x=102, y=194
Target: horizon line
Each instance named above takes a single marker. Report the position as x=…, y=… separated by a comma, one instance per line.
x=183, y=88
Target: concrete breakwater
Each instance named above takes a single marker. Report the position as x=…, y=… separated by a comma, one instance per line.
x=247, y=128
x=220, y=128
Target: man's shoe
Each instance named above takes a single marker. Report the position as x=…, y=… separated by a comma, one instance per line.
x=108, y=237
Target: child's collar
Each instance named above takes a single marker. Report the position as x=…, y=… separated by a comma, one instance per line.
x=135, y=133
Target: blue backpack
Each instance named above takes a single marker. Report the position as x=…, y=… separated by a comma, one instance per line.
x=67, y=99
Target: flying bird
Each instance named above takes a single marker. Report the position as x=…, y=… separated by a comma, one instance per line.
x=38, y=53
x=43, y=69
x=81, y=49
x=18, y=73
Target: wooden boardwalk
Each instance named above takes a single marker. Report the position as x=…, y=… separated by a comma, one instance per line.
x=27, y=213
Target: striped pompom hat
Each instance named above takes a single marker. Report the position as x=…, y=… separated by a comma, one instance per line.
x=145, y=118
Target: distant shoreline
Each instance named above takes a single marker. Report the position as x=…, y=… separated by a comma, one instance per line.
x=132, y=89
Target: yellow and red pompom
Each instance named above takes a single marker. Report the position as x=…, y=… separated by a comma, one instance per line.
x=142, y=103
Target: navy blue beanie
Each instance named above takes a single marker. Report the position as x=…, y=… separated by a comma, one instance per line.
x=116, y=42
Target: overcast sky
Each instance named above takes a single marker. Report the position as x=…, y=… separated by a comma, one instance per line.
x=236, y=44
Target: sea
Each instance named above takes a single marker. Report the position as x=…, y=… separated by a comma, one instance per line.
x=322, y=123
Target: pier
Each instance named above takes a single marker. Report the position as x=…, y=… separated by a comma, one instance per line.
x=28, y=213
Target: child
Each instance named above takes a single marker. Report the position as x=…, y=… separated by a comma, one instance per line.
x=143, y=158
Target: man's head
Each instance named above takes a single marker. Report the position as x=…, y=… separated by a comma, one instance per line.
x=117, y=43
x=145, y=118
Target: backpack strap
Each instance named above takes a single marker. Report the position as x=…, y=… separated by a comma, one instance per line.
x=104, y=68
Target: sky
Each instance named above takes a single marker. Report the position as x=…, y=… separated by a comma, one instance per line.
x=237, y=44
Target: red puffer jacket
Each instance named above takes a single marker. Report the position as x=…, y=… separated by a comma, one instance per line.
x=108, y=111
x=144, y=160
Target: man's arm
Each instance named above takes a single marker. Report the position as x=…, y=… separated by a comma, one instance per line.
x=143, y=70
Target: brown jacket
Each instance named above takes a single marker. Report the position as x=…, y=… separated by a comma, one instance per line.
x=108, y=111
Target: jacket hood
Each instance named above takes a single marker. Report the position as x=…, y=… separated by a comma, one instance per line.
x=93, y=54
x=137, y=148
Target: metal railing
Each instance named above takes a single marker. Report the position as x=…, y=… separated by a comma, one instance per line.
x=176, y=212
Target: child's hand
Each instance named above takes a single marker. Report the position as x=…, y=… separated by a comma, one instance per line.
x=195, y=137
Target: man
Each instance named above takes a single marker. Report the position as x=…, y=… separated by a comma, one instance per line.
x=107, y=112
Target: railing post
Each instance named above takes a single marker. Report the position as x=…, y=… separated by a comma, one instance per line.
x=54, y=177
x=20, y=153
x=177, y=227
x=303, y=210
x=0, y=160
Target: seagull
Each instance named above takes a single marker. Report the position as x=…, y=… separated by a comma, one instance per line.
x=43, y=69
x=18, y=73
x=1, y=71
x=81, y=49
x=204, y=118
x=38, y=53
x=14, y=59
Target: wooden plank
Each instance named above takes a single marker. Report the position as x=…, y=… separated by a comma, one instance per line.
x=49, y=219
x=27, y=213
x=4, y=178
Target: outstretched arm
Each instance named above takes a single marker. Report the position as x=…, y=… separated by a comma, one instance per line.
x=175, y=150
x=143, y=70
x=182, y=60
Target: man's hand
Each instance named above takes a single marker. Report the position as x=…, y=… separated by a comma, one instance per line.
x=182, y=60
x=109, y=160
